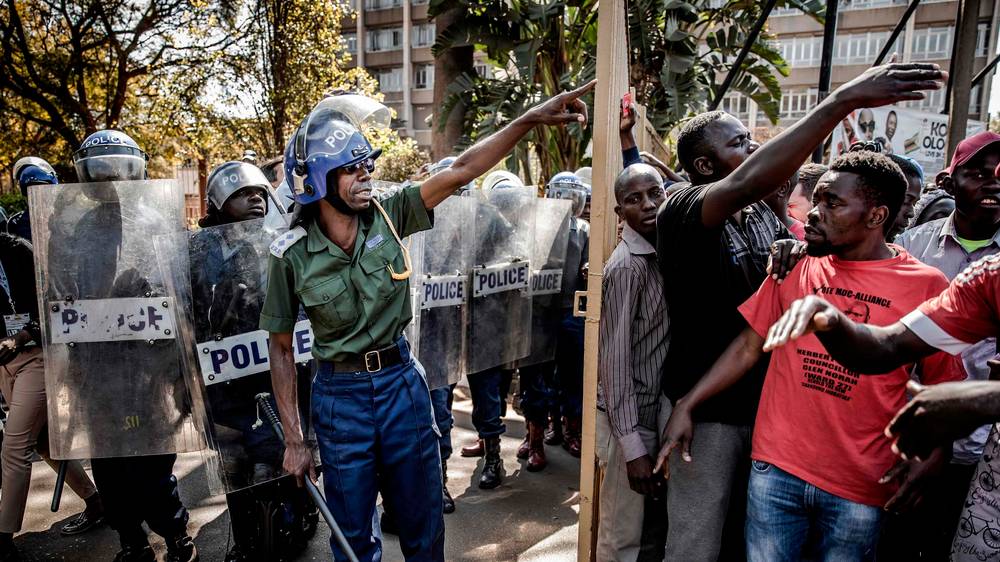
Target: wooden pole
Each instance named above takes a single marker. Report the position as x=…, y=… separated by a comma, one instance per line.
x=612, y=76
x=961, y=79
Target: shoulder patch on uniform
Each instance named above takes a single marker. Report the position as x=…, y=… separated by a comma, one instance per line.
x=282, y=243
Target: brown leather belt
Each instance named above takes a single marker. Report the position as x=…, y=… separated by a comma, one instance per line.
x=371, y=361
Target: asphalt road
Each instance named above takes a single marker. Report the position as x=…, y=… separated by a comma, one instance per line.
x=531, y=517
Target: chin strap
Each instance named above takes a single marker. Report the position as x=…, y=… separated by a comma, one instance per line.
x=406, y=248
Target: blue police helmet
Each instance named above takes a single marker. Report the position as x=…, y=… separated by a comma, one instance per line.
x=567, y=185
x=109, y=155
x=444, y=163
x=326, y=140
x=32, y=170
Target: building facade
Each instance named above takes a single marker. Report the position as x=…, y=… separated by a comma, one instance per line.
x=863, y=27
x=392, y=39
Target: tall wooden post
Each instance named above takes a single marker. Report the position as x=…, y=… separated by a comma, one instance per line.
x=612, y=76
x=961, y=79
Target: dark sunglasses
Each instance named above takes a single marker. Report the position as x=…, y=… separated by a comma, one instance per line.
x=368, y=164
x=865, y=125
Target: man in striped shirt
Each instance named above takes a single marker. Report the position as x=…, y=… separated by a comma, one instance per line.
x=633, y=344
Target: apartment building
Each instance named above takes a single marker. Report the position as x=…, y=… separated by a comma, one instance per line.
x=863, y=28
x=393, y=39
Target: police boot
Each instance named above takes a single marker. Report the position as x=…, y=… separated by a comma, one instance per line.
x=571, y=436
x=493, y=471
x=181, y=549
x=536, y=448
x=447, y=502
x=553, y=434
x=138, y=552
x=523, y=450
x=474, y=450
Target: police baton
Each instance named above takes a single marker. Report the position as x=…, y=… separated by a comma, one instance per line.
x=314, y=493
x=60, y=480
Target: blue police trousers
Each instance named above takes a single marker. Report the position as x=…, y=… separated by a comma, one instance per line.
x=376, y=433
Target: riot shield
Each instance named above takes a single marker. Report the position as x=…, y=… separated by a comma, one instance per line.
x=220, y=279
x=442, y=264
x=548, y=257
x=500, y=314
x=113, y=366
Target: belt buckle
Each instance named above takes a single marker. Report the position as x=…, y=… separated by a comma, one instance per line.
x=368, y=361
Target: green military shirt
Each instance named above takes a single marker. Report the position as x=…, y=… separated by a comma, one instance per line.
x=352, y=302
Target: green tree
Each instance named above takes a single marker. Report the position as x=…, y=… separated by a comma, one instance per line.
x=680, y=52
x=542, y=48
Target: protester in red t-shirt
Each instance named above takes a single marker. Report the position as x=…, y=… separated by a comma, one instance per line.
x=822, y=466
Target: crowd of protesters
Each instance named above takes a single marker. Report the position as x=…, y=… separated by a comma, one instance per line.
x=728, y=430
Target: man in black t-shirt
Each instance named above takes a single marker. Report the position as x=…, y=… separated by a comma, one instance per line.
x=713, y=241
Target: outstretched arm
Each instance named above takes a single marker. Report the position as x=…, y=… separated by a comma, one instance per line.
x=562, y=109
x=858, y=347
x=775, y=161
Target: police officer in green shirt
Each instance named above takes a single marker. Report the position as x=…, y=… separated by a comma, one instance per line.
x=345, y=264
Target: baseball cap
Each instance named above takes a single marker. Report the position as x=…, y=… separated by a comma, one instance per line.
x=971, y=146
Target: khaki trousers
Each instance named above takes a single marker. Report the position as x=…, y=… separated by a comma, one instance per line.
x=622, y=511
x=22, y=382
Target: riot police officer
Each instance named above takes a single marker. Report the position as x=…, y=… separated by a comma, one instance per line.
x=142, y=488
x=29, y=171
x=346, y=264
x=567, y=383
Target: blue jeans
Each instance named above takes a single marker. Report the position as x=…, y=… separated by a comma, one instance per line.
x=486, y=402
x=783, y=511
x=441, y=400
x=376, y=434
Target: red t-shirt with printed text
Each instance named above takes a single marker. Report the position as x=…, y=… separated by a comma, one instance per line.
x=818, y=420
x=966, y=312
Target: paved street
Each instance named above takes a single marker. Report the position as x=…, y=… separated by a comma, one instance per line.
x=531, y=517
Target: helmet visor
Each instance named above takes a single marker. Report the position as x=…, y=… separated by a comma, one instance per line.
x=111, y=167
x=574, y=194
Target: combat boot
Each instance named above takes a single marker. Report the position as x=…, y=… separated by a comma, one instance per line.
x=181, y=549
x=447, y=502
x=523, y=450
x=135, y=553
x=474, y=450
x=536, y=448
x=554, y=433
x=493, y=471
x=571, y=436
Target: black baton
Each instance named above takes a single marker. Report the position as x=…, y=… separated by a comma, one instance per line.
x=60, y=480
x=314, y=493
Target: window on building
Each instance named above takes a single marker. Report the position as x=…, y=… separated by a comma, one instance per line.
x=390, y=79
x=419, y=2
x=423, y=34
x=423, y=76
x=931, y=43
x=484, y=70
x=737, y=105
x=350, y=42
x=389, y=39
x=371, y=5
x=796, y=103
x=862, y=48
x=982, y=39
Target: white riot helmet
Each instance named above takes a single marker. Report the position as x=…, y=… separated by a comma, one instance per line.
x=501, y=179
x=230, y=177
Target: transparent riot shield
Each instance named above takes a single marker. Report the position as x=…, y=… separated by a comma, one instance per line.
x=221, y=280
x=113, y=365
x=500, y=314
x=442, y=266
x=548, y=257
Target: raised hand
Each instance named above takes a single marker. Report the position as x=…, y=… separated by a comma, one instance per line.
x=563, y=108
x=891, y=83
x=805, y=316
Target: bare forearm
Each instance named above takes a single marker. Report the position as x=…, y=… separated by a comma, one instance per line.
x=474, y=162
x=283, y=381
x=873, y=349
